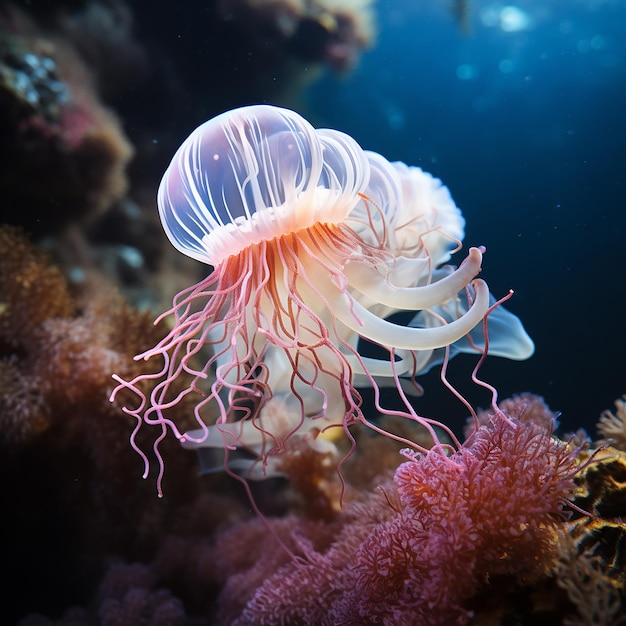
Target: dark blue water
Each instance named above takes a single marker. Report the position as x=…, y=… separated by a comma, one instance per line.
x=524, y=118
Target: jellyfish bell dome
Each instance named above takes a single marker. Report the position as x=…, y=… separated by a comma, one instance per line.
x=253, y=174
x=315, y=244
x=427, y=217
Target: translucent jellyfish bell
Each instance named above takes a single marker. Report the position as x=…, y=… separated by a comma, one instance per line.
x=383, y=194
x=253, y=174
x=427, y=214
x=314, y=243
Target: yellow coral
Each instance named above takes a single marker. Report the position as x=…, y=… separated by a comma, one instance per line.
x=590, y=589
x=31, y=291
x=613, y=425
x=57, y=354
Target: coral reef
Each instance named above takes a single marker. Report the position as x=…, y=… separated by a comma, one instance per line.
x=601, y=491
x=126, y=596
x=30, y=293
x=419, y=548
x=526, y=407
x=612, y=426
x=592, y=547
x=64, y=446
x=94, y=97
x=597, y=596
x=335, y=32
x=436, y=542
x=60, y=347
x=56, y=132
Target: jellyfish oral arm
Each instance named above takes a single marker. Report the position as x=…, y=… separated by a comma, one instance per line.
x=314, y=244
x=361, y=321
x=367, y=280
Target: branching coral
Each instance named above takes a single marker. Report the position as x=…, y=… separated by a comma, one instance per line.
x=613, y=425
x=594, y=593
x=526, y=407
x=490, y=510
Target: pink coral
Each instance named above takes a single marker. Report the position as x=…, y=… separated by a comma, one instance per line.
x=455, y=524
x=525, y=407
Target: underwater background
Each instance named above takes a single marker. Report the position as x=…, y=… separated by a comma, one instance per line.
x=521, y=114
x=518, y=108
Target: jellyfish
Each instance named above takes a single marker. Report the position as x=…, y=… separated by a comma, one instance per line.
x=313, y=243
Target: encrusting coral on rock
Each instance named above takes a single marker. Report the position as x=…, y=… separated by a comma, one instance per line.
x=55, y=131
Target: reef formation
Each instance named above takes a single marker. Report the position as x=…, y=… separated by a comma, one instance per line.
x=536, y=518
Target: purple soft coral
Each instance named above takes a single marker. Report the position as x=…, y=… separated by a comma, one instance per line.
x=489, y=510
